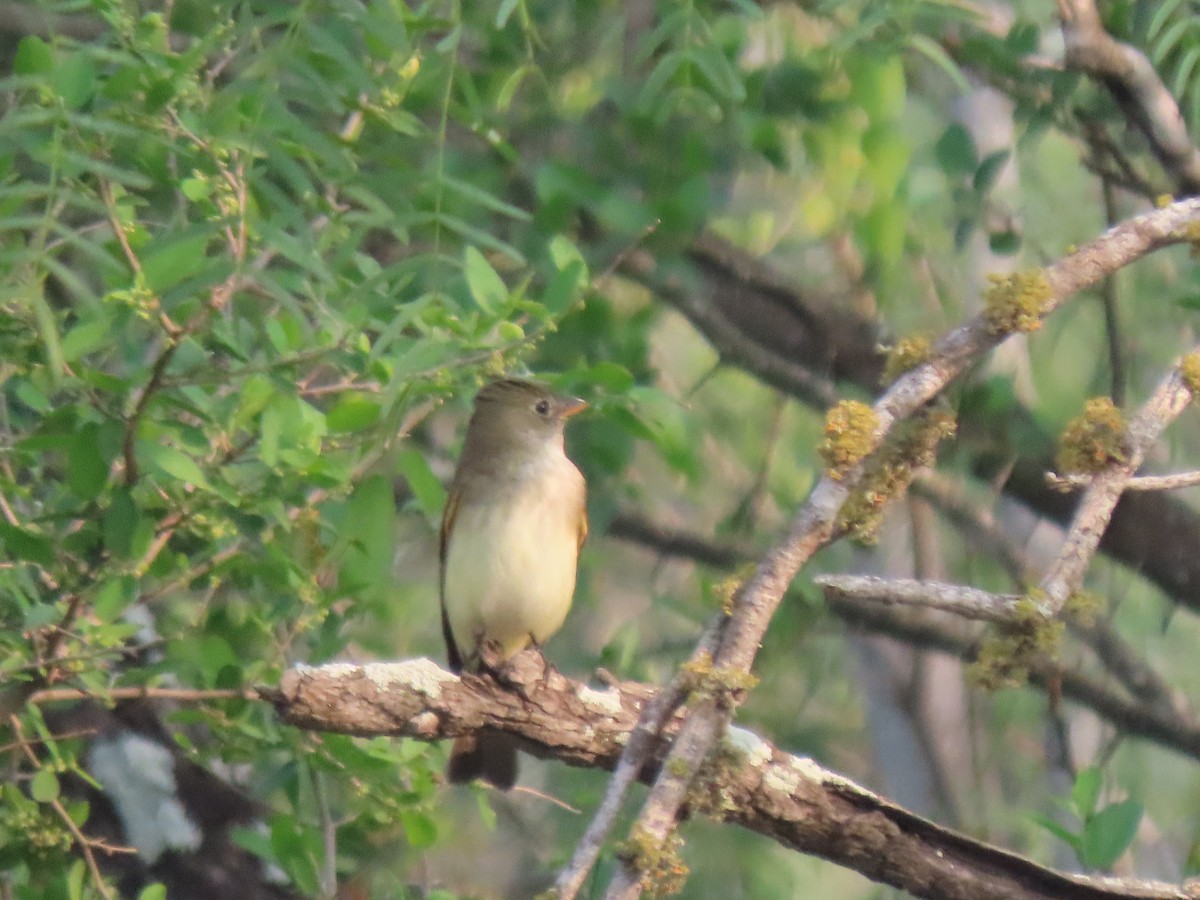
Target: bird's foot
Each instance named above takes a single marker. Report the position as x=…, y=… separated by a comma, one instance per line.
x=491, y=658
x=525, y=671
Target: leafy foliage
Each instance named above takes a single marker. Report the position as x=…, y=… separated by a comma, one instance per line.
x=249, y=249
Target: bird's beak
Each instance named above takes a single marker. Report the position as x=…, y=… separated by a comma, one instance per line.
x=571, y=406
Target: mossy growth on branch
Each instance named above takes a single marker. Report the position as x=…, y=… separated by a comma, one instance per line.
x=907, y=353
x=724, y=686
x=1085, y=607
x=1006, y=654
x=726, y=590
x=911, y=447
x=663, y=872
x=709, y=794
x=1093, y=440
x=1189, y=369
x=1017, y=302
x=849, y=436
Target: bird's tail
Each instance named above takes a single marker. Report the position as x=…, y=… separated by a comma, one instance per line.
x=488, y=755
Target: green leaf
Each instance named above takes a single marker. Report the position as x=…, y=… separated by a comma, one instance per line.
x=175, y=463
x=86, y=337
x=610, y=376
x=1059, y=831
x=156, y=891
x=295, y=849
x=505, y=10
x=1166, y=9
x=368, y=530
x=1109, y=833
x=119, y=523
x=171, y=261
x=508, y=90
x=1085, y=792
x=87, y=466
x=563, y=252
x=353, y=412
x=419, y=829
x=1004, y=243
x=75, y=880
x=955, y=151
x=563, y=290
x=34, y=57
x=476, y=194
x=426, y=487
x=196, y=188
x=215, y=655
x=21, y=543
x=933, y=52
x=989, y=169
x=113, y=598
x=44, y=786
x=40, y=616
x=74, y=80
x=486, y=286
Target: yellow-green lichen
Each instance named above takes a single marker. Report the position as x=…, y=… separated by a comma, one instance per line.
x=912, y=447
x=907, y=353
x=1162, y=201
x=722, y=685
x=1084, y=607
x=726, y=590
x=1093, y=440
x=1189, y=369
x=710, y=791
x=849, y=436
x=1017, y=302
x=1005, y=655
x=663, y=872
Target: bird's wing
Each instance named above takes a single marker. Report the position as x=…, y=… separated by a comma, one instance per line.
x=452, y=504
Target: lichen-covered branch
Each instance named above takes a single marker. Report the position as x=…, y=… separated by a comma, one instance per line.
x=1095, y=510
x=1017, y=303
x=1153, y=716
x=790, y=799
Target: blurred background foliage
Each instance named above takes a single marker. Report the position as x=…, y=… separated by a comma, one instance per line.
x=256, y=257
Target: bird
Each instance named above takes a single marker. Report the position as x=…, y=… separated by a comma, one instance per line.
x=514, y=524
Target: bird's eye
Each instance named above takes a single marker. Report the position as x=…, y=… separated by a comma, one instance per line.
x=542, y=407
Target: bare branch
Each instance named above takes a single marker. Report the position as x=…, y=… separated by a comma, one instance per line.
x=1138, y=483
x=970, y=603
x=1135, y=85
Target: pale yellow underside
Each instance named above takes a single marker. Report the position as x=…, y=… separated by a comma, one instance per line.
x=510, y=568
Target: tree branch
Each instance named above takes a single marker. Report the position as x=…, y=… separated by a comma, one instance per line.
x=1095, y=510
x=787, y=335
x=1135, y=85
x=790, y=799
x=756, y=601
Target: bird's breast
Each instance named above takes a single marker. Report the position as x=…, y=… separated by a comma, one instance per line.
x=510, y=565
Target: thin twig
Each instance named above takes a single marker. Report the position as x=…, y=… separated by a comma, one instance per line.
x=970, y=603
x=84, y=843
x=182, y=695
x=1138, y=483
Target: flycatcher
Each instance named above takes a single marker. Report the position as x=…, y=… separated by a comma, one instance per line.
x=515, y=520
